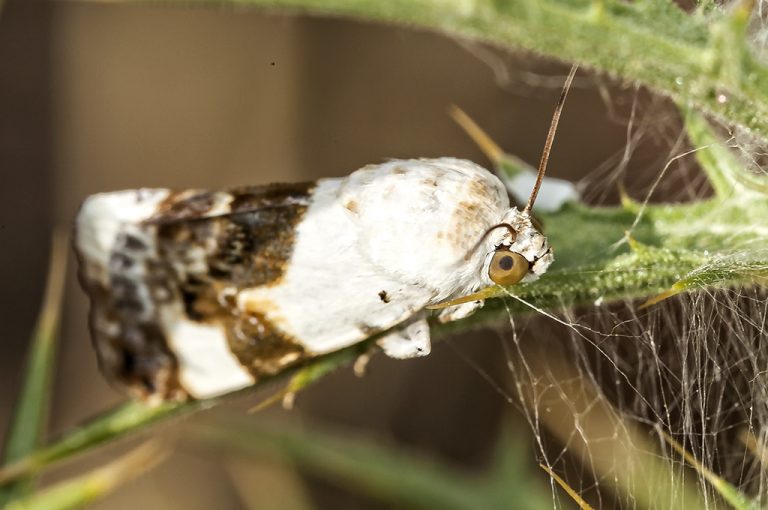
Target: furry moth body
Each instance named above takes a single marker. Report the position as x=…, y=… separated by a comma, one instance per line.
x=196, y=293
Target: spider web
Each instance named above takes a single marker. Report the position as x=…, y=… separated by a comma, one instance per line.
x=602, y=388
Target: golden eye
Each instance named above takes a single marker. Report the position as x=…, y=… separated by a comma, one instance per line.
x=507, y=267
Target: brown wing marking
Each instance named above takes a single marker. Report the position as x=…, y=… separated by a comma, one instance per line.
x=124, y=320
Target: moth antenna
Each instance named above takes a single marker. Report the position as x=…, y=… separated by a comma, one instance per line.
x=550, y=139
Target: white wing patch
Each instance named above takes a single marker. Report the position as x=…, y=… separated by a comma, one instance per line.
x=103, y=218
x=329, y=296
x=206, y=365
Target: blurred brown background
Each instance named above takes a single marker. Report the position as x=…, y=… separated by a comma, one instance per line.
x=98, y=97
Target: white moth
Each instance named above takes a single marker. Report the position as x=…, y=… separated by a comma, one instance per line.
x=197, y=293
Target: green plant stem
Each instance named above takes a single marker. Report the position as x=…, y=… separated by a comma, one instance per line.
x=134, y=416
x=699, y=60
x=31, y=413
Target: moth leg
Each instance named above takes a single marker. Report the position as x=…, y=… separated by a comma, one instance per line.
x=361, y=363
x=410, y=340
x=454, y=313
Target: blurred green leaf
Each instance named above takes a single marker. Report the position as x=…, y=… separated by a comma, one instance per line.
x=109, y=425
x=252, y=481
x=31, y=413
x=134, y=415
x=78, y=492
x=384, y=472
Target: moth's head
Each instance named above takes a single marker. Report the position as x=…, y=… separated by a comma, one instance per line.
x=514, y=251
x=507, y=253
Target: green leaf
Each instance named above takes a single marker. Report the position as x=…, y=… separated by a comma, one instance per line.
x=78, y=492
x=29, y=420
x=112, y=424
x=386, y=472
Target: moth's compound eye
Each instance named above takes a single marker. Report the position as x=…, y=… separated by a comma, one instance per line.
x=507, y=267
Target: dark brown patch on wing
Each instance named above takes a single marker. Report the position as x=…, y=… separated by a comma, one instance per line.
x=125, y=324
x=260, y=346
x=249, y=246
x=189, y=204
x=250, y=198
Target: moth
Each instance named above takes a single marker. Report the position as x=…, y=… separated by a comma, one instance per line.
x=197, y=293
